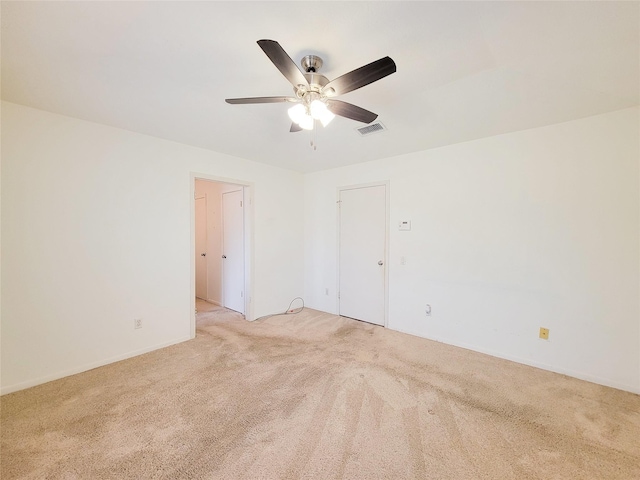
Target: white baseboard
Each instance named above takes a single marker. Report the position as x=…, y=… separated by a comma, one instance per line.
x=564, y=371
x=90, y=366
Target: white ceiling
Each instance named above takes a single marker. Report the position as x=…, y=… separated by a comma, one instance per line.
x=466, y=70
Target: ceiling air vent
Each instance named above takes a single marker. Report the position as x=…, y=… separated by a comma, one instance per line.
x=370, y=129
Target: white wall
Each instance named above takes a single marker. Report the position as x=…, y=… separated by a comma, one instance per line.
x=509, y=233
x=96, y=232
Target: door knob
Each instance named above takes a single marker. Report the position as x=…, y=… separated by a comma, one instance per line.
x=203, y=254
x=224, y=256
x=380, y=262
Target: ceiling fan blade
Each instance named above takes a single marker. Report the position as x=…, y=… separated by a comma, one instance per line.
x=353, y=112
x=236, y=101
x=361, y=76
x=283, y=62
x=295, y=127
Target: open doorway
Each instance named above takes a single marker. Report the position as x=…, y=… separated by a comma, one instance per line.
x=220, y=248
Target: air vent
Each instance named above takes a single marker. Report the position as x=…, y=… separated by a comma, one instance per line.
x=370, y=129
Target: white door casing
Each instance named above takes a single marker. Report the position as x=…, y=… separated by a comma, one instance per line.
x=362, y=253
x=201, y=248
x=233, y=251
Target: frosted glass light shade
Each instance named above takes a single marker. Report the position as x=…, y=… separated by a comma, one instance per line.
x=306, y=122
x=326, y=118
x=319, y=111
x=317, y=108
x=297, y=113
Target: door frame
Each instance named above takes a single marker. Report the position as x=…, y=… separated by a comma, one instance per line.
x=206, y=279
x=387, y=185
x=247, y=189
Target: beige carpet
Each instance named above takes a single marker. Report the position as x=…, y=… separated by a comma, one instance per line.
x=318, y=396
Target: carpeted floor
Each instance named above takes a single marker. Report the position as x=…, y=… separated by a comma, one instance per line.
x=318, y=396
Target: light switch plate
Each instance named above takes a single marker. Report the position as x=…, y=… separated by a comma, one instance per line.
x=404, y=225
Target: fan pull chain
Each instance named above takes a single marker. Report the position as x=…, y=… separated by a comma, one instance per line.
x=313, y=136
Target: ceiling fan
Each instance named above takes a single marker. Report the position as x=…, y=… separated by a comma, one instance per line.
x=314, y=93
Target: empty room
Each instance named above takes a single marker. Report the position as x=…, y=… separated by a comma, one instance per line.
x=323, y=240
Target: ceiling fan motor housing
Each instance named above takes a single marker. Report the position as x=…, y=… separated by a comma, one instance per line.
x=316, y=82
x=311, y=64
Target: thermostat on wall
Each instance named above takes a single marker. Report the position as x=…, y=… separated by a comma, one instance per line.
x=404, y=225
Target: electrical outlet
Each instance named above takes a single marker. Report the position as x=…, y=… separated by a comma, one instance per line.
x=427, y=310
x=544, y=333
x=137, y=323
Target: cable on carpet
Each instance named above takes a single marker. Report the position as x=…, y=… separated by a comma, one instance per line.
x=288, y=311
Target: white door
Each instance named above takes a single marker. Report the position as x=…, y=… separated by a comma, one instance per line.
x=233, y=251
x=363, y=232
x=201, y=248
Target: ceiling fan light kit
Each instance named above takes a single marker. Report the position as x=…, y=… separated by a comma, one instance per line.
x=313, y=107
x=314, y=92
